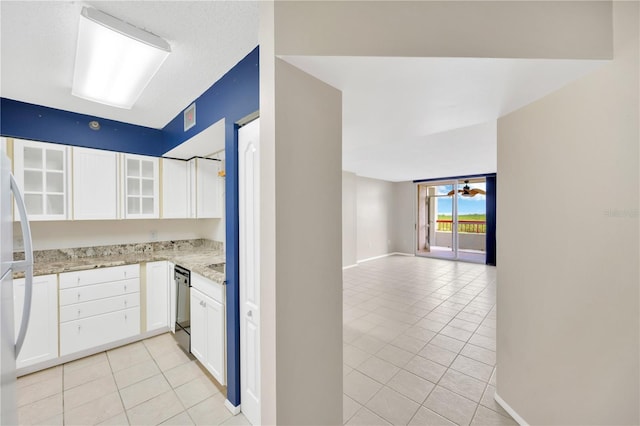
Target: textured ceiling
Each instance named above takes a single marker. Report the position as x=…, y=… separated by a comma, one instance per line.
x=207, y=38
x=403, y=118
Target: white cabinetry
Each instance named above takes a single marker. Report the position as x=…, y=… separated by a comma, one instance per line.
x=208, y=336
x=95, y=184
x=141, y=185
x=209, y=189
x=98, y=306
x=176, y=192
x=42, y=170
x=157, y=295
x=41, y=340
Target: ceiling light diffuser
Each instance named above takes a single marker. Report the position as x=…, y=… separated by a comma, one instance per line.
x=115, y=61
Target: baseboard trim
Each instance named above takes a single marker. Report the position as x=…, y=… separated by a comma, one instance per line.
x=368, y=259
x=501, y=402
x=235, y=409
x=395, y=253
x=349, y=266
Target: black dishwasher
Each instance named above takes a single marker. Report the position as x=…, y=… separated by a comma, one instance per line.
x=182, y=334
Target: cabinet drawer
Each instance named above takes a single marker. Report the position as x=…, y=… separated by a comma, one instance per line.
x=208, y=287
x=97, y=307
x=98, y=291
x=100, y=275
x=98, y=330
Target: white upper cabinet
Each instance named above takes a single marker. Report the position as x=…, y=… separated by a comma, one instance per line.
x=42, y=171
x=140, y=187
x=192, y=189
x=95, y=184
x=176, y=183
x=209, y=189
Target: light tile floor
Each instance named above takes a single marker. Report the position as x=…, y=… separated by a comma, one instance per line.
x=419, y=343
x=419, y=349
x=145, y=383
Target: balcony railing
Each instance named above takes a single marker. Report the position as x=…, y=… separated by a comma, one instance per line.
x=468, y=226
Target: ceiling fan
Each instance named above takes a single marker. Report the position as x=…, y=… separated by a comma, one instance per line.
x=467, y=191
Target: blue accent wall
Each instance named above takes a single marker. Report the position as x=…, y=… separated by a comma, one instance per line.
x=491, y=220
x=233, y=97
x=34, y=122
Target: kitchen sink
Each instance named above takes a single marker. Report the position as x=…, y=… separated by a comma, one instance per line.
x=218, y=267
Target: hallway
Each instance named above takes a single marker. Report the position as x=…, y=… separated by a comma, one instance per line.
x=419, y=343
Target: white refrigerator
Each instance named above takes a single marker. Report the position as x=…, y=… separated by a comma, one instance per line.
x=10, y=341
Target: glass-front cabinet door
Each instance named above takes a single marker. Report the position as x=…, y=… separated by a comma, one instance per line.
x=41, y=170
x=141, y=187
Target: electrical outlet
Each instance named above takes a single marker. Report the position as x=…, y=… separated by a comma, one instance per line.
x=154, y=235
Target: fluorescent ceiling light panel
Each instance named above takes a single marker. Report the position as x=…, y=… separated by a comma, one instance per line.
x=115, y=61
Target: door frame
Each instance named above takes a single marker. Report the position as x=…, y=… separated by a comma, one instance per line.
x=490, y=206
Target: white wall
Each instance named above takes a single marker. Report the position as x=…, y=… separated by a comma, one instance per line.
x=487, y=29
x=374, y=217
x=80, y=233
x=405, y=195
x=301, y=239
x=308, y=270
x=349, y=219
x=568, y=246
x=378, y=218
x=289, y=101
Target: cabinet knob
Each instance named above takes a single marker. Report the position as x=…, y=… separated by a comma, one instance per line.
x=78, y=280
x=125, y=287
x=125, y=303
x=250, y=314
x=78, y=328
x=78, y=296
x=78, y=312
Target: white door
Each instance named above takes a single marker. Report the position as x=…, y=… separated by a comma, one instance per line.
x=249, y=204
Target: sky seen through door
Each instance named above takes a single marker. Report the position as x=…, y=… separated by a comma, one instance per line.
x=466, y=205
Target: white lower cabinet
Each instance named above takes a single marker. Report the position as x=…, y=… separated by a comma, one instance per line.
x=98, y=330
x=41, y=340
x=208, y=337
x=157, y=295
x=198, y=325
x=99, y=306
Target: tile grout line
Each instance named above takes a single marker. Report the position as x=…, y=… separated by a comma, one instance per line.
x=458, y=353
x=124, y=408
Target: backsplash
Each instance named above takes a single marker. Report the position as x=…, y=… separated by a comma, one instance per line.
x=119, y=250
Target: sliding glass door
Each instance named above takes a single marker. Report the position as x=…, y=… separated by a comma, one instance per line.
x=452, y=220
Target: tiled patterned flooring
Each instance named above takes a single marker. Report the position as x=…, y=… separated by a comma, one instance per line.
x=149, y=382
x=419, y=343
x=419, y=349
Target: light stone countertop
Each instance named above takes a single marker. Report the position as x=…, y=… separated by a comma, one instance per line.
x=191, y=254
